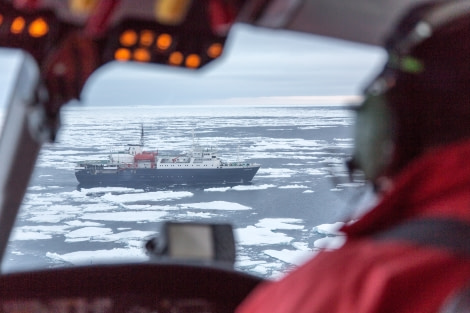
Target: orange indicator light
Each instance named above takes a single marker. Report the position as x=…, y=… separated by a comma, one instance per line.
x=142, y=55
x=122, y=54
x=17, y=26
x=128, y=38
x=176, y=58
x=193, y=61
x=214, y=50
x=164, y=41
x=1, y=19
x=38, y=28
x=146, y=38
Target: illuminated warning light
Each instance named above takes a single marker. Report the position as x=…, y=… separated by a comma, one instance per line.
x=38, y=28
x=142, y=55
x=17, y=26
x=176, y=58
x=215, y=50
x=128, y=38
x=82, y=6
x=146, y=38
x=171, y=12
x=193, y=61
x=1, y=19
x=122, y=54
x=164, y=41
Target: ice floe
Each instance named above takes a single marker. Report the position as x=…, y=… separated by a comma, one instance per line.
x=252, y=235
x=147, y=196
x=216, y=205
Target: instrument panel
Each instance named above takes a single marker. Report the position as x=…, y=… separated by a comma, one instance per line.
x=126, y=288
x=127, y=304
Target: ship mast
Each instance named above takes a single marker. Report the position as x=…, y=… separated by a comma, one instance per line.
x=192, y=132
x=142, y=135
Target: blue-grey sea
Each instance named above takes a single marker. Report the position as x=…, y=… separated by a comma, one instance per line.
x=296, y=199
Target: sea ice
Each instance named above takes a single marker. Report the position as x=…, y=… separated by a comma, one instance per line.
x=329, y=229
x=295, y=257
x=216, y=205
x=279, y=223
x=252, y=235
x=142, y=216
x=329, y=243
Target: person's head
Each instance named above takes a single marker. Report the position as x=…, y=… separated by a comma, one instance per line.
x=421, y=99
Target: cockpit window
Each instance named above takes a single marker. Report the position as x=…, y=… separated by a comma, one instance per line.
x=276, y=102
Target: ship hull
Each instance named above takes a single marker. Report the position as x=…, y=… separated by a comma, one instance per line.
x=165, y=177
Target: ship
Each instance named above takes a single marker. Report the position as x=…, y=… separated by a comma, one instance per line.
x=135, y=167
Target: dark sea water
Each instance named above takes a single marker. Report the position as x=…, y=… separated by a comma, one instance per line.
x=302, y=184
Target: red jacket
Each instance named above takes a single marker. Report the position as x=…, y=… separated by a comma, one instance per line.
x=368, y=275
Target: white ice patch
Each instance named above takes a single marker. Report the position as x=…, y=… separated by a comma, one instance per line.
x=329, y=229
x=36, y=232
x=144, y=207
x=315, y=171
x=329, y=243
x=110, y=189
x=142, y=216
x=246, y=261
x=36, y=188
x=130, y=236
x=262, y=233
x=49, y=218
x=88, y=234
x=123, y=255
x=147, y=196
x=275, y=173
x=106, y=235
x=253, y=187
x=217, y=189
x=334, y=237
x=352, y=185
x=287, y=145
x=216, y=205
x=83, y=224
x=295, y=257
x=332, y=160
x=260, y=267
x=199, y=215
x=252, y=235
x=100, y=207
x=280, y=223
x=22, y=234
x=267, y=232
x=295, y=186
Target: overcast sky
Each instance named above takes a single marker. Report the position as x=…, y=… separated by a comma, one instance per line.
x=259, y=66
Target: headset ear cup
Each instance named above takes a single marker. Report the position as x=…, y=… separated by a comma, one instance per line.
x=373, y=145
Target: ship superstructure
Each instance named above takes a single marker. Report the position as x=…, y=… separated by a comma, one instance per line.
x=134, y=166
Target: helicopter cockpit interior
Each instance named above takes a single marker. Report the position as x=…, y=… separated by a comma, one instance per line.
x=63, y=43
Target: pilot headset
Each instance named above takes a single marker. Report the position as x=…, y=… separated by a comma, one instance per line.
x=425, y=85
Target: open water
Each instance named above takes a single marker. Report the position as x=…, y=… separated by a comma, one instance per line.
x=279, y=219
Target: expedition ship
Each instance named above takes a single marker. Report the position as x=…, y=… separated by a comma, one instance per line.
x=136, y=167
